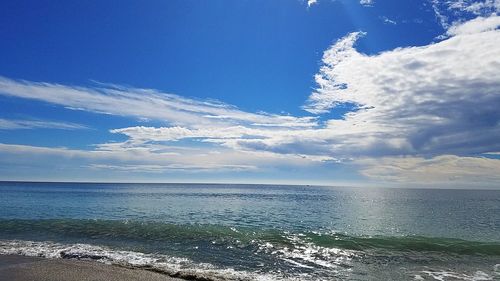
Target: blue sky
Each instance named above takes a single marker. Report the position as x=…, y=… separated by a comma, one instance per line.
x=308, y=92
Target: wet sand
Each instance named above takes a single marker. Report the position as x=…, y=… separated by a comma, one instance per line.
x=20, y=268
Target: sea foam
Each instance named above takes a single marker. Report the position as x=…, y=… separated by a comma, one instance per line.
x=171, y=266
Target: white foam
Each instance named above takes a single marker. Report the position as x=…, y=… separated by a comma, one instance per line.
x=496, y=269
x=305, y=252
x=481, y=276
x=169, y=265
x=321, y=262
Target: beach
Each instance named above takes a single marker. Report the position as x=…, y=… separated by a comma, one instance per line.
x=21, y=268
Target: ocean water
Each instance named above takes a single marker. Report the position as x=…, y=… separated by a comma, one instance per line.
x=259, y=232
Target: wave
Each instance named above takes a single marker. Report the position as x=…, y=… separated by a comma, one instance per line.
x=187, y=269
x=134, y=231
x=409, y=243
x=171, y=266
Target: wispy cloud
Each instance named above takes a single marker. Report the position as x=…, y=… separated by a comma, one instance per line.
x=144, y=103
x=170, y=167
x=450, y=12
x=12, y=124
x=118, y=162
x=387, y=20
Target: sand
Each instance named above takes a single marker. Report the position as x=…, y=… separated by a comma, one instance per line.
x=20, y=268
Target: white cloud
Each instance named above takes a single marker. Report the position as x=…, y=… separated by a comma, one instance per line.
x=278, y=141
x=11, y=124
x=436, y=99
x=323, y=99
x=144, y=134
x=311, y=2
x=492, y=153
x=367, y=3
x=479, y=24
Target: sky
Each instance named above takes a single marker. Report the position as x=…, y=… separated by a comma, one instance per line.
x=331, y=92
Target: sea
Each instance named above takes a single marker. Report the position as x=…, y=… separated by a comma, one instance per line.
x=258, y=232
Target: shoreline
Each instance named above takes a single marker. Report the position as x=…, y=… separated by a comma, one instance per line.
x=23, y=268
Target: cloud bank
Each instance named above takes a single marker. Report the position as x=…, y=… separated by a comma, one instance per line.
x=440, y=171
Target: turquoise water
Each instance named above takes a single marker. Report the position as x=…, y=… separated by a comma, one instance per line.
x=259, y=232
